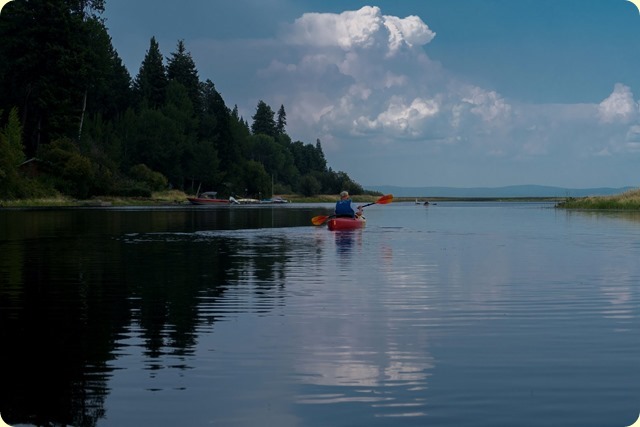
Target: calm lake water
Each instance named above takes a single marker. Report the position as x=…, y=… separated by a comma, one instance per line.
x=456, y=314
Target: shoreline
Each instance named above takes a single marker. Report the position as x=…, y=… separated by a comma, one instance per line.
x=106, y=202
x=628, y=201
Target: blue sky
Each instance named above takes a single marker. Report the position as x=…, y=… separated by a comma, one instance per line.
x=459, y=93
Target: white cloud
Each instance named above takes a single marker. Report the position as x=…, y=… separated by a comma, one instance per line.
x=347, y=30
x=385, y=87
x=361, y=80
x=487, y=104
x=365, y=28
x=410, y=30
x=633, y=134
x=619, y=106
x=367, y=84
x=403, y=119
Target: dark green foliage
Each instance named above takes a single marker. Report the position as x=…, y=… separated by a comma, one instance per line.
x=87, y=7
x=308, y=158
x=132, y=190
x=204, y=166
x=11, y=156
x=109, y=83
x=155, y=181
x=335, y=182
x=263, y=121
x=628, y=201
x=14, y=151
x=216, y=125
x=254, y=182
x=182, y=69
x=309, y=186
x=281, y=122
x=52, y=57
x=158, y=142
x=151, y=82
x=276, y=159
x=74, y=104
x=71, y=172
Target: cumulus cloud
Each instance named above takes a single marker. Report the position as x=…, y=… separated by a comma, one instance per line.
x=410, y=30
x=389, y=87
x=619, y=106
x=362, y=78
x=488, y=105
x=347, y=30
x=633, y=134
x=401, y=118
x=364, y=29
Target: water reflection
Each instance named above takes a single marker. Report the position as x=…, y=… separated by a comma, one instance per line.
x=619, y=275
x=345, y=241
x=81, y=288
x=254, y=317
x=361, y=356
x=348, y=375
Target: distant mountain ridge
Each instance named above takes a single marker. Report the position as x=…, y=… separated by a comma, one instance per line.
x=508, y=191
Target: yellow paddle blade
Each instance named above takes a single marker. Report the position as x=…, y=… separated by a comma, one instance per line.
x=381, y=201
x=319, y=220
x=388, y=198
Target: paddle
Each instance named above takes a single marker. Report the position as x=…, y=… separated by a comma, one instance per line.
x=321, y=219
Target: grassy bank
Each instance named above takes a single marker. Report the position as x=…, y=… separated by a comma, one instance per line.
x=172, y=197
x=328, y=198
x=157, y=198
x=627, y=201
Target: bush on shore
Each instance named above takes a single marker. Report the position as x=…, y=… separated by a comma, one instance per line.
x=629, y=200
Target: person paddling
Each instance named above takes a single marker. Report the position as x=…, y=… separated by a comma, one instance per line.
x=343, y=207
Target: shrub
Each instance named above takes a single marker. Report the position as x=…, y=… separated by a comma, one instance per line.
x=132, y=192
x=155, y=181
x=309, y=186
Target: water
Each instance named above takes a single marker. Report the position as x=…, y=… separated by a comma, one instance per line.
x=456, y=314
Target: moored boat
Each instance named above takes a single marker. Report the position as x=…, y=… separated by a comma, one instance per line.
x=346, y=223
x=247, y=201
x=274, y=200
x=208, y=198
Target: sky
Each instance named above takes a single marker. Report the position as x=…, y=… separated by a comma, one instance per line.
x=459, y=93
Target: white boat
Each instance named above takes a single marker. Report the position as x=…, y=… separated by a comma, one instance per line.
x=246, y=201
x=276, y=199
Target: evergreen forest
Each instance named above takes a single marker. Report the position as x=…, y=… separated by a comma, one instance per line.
x=74, y=122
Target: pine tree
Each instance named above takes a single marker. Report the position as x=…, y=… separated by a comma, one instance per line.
x=11, y=155
x=281, y=123
x=107, y=89
x=182, y=69
x=151, y=82
x=216, y=125
x=321, y=162
x=263, y=121
x=47, y=65
x=87, y=8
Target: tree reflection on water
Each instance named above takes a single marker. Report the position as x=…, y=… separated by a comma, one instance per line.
x=75, y=284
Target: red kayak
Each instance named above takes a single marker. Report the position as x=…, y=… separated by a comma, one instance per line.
x=346, y=223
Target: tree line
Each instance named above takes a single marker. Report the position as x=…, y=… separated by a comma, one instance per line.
x=73, y=120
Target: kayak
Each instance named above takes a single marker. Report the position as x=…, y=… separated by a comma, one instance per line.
x=346, y=223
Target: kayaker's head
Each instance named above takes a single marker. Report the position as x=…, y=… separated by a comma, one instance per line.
x=344, y=195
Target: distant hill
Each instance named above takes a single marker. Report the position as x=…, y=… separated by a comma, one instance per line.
x=508, y=191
